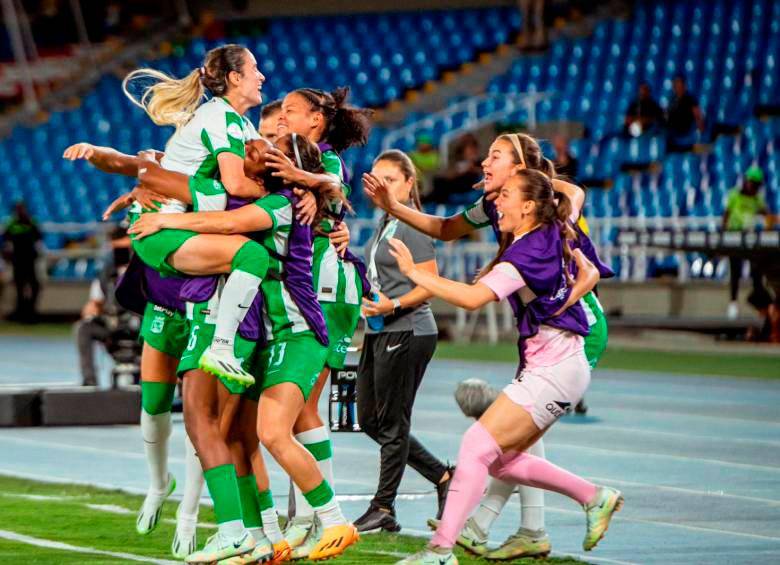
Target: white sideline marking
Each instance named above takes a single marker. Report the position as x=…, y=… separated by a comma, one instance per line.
x=13, y=536
x=41, y=497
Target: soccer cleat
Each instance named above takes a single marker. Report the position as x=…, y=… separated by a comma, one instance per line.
x=523, y=543
x=297, y=530
x=151, y=509
x=309, y=542
x=282, y=552
x=185, y=540
x=223, y=364
x=334, y=541
x=376, y=520
x=471, y=537
x=599, y=513
x=262, y=553
x=218, y=549
x=429, y=557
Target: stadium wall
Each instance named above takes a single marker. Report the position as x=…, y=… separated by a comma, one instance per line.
x=227, y=8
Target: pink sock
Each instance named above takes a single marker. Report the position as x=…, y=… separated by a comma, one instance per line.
x=478, y=451
x=537, y=472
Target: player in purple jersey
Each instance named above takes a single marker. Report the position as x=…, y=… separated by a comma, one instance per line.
x=553, y=372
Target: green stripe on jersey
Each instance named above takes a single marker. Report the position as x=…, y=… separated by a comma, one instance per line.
x=282, y=316
x=475, y=214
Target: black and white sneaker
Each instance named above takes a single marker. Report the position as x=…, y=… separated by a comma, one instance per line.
x=377, y=520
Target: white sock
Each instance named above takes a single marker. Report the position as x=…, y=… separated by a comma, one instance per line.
x=258, y=534
x=271, y=525
x=302, y=508
x=156, y=429
x=193, y=481
x=234, y=302
x=532, y=499
x=330, y=514
x=232, y=529
x=491, y=505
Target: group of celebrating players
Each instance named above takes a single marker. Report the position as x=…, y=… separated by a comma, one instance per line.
x=250, y=296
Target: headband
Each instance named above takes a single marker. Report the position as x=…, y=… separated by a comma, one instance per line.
x=515, y=139
x=295, y=148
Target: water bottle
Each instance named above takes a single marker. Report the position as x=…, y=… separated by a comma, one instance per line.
x=376, y=323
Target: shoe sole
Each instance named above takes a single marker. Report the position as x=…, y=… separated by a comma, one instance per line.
x=541, y=555
x=616, y=508
x=217, y=372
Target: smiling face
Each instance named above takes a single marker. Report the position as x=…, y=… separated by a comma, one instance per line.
x=247, y=84
x=499, y=165
x=516, y=213
x=394, y=177
x=298, y=117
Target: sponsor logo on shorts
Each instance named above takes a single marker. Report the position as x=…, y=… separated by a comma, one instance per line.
x=558, y=409
x=164, y=310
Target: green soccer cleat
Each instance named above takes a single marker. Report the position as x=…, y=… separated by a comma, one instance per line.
x=223, y=364
x=151, y=509
x=523, y=543
x=429, y=557
x=297, y=530
x=471, y=537
x=599, y=513
x=218, y=548
x=185, y=540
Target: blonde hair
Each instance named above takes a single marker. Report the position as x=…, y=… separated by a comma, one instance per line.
x=171, y=101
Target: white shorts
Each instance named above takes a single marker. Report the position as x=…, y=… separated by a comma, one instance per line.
x=547, y=393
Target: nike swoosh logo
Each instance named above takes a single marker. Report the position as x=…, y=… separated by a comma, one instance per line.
x=239, y=543
x=390, y=349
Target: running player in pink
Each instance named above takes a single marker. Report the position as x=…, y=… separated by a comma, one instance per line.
x=531, y=271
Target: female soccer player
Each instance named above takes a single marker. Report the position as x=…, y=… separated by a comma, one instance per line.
x=508, y=154
x=296, y=350
x=326, y=119
x=553, y=372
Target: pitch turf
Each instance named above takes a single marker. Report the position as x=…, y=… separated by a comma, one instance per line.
x=646, y=360
x=104, y=520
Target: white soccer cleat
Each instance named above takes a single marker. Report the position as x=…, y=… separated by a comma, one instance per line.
x=185, y=539
x=223, y=364
x=218, y=548
x=151, y=509
x=297, y=530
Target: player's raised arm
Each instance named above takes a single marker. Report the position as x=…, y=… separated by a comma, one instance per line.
x=106, y=159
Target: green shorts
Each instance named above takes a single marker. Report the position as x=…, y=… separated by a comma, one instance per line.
x=164, y=329
x=201, y=331
x=596, y=340
x=342, y=320
x=155, y=249
x=297, y=359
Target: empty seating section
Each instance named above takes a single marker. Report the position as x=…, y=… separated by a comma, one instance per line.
x=379, y=55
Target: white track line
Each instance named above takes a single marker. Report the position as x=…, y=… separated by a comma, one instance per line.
x=620, y=429
x=20, y=538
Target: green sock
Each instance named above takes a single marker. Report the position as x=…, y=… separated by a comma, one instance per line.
x=156, y=398
x=223, y=488
x=250, y=501
x=320, y=495
x=321, y=450
x=251, y=258
x=265, y=500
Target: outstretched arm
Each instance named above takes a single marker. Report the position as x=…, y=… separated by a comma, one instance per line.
x=162, y=181
x=247, y=219
x=445, y=229
x=575, y=193
x=468, y=296
x=106, y=159
x=326, y=184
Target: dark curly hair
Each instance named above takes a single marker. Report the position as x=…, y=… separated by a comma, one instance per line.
x=346, y=125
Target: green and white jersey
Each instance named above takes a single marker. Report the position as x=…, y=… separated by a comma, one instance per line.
x=475, y=214
x=282, y=316
x=335, y=280
x=193, y=149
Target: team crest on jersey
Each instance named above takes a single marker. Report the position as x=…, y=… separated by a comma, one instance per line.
x=158, y=325
x=234, y=130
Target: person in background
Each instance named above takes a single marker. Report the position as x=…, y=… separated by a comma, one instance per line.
x=397, y=352
x=742, y=206
x=643, y=114
x=92, y=327
x=269, y=118
x=683, y=117
x=463, y=173
x=426, y=160
x=566, y=164
x=21, y=238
